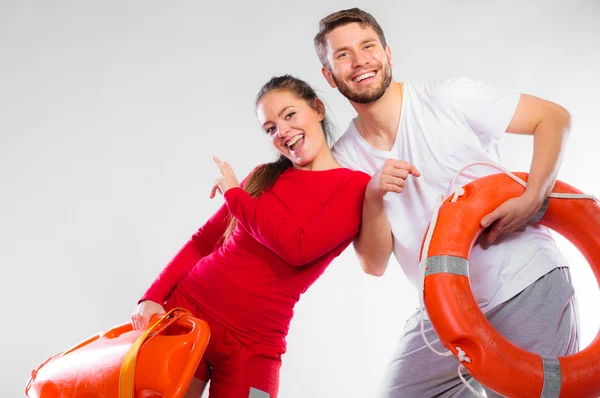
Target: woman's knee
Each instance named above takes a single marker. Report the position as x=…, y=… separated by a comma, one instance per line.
x=196, y=388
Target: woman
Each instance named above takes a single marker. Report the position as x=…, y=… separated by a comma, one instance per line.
x=245, y=269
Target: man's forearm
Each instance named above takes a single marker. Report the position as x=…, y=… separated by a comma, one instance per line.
x=374, y=242
x=549, y=142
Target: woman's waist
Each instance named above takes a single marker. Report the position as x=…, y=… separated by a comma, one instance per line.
x=261, y=314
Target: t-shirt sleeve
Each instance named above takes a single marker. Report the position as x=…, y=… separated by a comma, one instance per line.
x=485, y=108
x=340, y=152
x=335, y=223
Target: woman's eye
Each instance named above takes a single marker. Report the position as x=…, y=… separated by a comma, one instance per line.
x=270, y=129
x=289, y=115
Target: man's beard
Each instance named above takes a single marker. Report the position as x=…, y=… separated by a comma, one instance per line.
x=371, y=95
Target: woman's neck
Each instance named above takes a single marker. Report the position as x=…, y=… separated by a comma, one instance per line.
x=323, y=161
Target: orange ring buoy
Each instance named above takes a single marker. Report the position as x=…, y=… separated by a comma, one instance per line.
x=458, y=320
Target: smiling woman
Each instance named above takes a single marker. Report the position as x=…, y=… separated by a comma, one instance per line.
x=245, y=269
x=294, y=118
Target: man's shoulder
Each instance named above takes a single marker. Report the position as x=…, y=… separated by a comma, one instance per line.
x=438, y=82
x=435, y=92
x=432, y=87
x=347, y=140
x=349, y=149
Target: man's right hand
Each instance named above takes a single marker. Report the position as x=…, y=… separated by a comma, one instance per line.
x=391, y=177
x=143, y=312
x=375, y=242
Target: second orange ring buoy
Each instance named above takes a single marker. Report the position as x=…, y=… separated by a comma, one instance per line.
x=456, y=317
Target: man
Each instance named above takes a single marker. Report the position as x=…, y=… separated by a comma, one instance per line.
x=413, y=137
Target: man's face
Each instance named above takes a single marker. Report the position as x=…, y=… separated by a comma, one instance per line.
x=358, y=64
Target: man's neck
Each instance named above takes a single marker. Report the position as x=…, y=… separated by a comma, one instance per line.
x=377, y=122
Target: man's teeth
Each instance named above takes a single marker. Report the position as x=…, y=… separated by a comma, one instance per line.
x=363, y=77
x=294, y=140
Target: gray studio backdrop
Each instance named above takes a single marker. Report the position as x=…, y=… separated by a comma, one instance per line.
x=110, y=112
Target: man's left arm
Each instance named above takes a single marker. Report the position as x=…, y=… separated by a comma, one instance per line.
x=550, y=125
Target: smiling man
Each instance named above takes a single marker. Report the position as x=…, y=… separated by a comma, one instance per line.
x=435, y=128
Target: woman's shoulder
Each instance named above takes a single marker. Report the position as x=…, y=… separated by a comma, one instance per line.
x=357, y=177
x=336, y=178
x=361, y=177
x=347, y=178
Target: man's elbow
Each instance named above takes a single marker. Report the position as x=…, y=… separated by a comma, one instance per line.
x=563, y=116
x=374, y=271
x=373, y=268
x=372, y=262
x=566, y=116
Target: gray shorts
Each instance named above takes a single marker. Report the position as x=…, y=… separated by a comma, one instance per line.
x=542, y=319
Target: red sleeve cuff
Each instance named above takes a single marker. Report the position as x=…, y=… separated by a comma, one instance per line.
x=233, y=193
x=151, y=297
x=239, y=202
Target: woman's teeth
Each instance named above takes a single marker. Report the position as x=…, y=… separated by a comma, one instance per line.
x=294, y=140
x=292, y=143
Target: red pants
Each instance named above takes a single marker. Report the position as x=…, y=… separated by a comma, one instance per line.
x=236, y=366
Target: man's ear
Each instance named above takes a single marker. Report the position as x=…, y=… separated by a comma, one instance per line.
x=328, y=76
x=388, y=52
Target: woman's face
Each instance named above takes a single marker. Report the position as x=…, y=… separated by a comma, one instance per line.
x=293, y=125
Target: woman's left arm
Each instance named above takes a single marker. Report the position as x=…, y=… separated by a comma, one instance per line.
x=336, y=222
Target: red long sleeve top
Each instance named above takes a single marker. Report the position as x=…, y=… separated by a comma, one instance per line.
x=282, y=243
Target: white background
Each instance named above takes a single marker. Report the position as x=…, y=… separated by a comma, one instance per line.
x=110, y=112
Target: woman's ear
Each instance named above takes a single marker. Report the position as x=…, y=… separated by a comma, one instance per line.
x=320, y=108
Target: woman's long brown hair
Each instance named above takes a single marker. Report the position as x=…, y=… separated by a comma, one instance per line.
x=265, y=175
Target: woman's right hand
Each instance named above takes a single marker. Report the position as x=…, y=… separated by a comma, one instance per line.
x=143, y=312
x=227, y=181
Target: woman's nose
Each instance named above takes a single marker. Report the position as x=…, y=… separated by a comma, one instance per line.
x=283, y=131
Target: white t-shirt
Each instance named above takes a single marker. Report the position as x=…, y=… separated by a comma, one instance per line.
x=444, y=126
